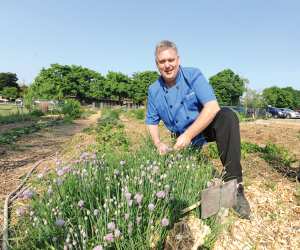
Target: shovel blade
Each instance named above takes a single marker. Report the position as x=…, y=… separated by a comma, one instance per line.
x=215, y=197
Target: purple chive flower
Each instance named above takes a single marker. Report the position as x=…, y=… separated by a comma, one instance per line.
x=164, y=222
x=126, y=216
x=84, y=156
x=27, y=194
x=138, y=198
x=60, y=172
x=109, y=237
x=59, y=222
x=111, y=226
x=151, y=206
x=127, y=196
x=81, y=203
x=117, y=233
x=66, y=169
x=20, y=211
x=161, y=194
x=99, y=247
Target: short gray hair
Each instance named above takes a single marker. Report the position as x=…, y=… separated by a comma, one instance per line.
x=165, y=44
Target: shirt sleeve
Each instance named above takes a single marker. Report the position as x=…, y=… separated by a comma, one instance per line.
x=202, y=88
x=152, y=116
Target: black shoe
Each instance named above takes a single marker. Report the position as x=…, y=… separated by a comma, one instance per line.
x=242, y=205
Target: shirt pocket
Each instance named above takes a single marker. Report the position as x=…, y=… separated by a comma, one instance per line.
x=191, y=101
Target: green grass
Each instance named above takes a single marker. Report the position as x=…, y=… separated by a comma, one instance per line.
x=8, y=109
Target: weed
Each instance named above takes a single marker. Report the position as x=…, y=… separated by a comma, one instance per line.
x=270, y=185
x=138, y=113
x=275, y=154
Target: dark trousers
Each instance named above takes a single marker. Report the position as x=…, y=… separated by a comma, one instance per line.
x=225, y=131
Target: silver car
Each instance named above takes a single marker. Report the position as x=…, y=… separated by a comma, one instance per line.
x=291, y=113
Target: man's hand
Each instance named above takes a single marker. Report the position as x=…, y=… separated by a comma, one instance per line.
x=163, y=148
x=182, y=141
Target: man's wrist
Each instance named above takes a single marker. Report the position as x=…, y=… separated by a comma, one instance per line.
x=189, y=135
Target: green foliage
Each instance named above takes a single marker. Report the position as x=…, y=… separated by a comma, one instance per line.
x=138, y=113
x=110, y=132
x=109, y=117
x=212, y=151
x=13, y=134
x=282, y=97
x=253, y=99
x=36, y=113
x=295, y=96
x=61, y=81
x=8, y=80
x=10, y=92
x=71, y=108
x=140, y=83
x=278, y=155
x=101, y=189
x=28, y=98
x=228, y=87
x=12, y=118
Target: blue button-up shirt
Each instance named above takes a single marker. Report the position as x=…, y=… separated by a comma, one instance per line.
x=179, y=106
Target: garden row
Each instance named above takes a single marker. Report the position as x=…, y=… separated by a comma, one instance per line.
x=111, y=198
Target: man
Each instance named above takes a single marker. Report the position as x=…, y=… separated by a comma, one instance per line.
x=184, y=100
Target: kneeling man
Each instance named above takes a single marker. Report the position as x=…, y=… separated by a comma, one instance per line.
x=184, y=100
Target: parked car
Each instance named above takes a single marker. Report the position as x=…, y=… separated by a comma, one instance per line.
x=276, y=112
x=290, y=113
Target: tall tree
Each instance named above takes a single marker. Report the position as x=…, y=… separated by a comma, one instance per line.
x=278, y=97
x=60, y=81
x=228, y=86
x=140, y=84
x=8, y=80
x=10, y=92
x=119, y=85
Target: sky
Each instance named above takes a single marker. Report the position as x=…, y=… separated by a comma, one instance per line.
x=259, y=40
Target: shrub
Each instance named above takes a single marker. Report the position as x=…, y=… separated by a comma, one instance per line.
x=37, y=113
x=71, y=108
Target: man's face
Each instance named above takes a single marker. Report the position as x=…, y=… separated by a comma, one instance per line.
x=167, y=62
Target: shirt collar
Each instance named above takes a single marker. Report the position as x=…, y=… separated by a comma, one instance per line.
x=178, y=77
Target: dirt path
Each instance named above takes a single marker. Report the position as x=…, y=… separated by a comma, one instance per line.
x=15, y=163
